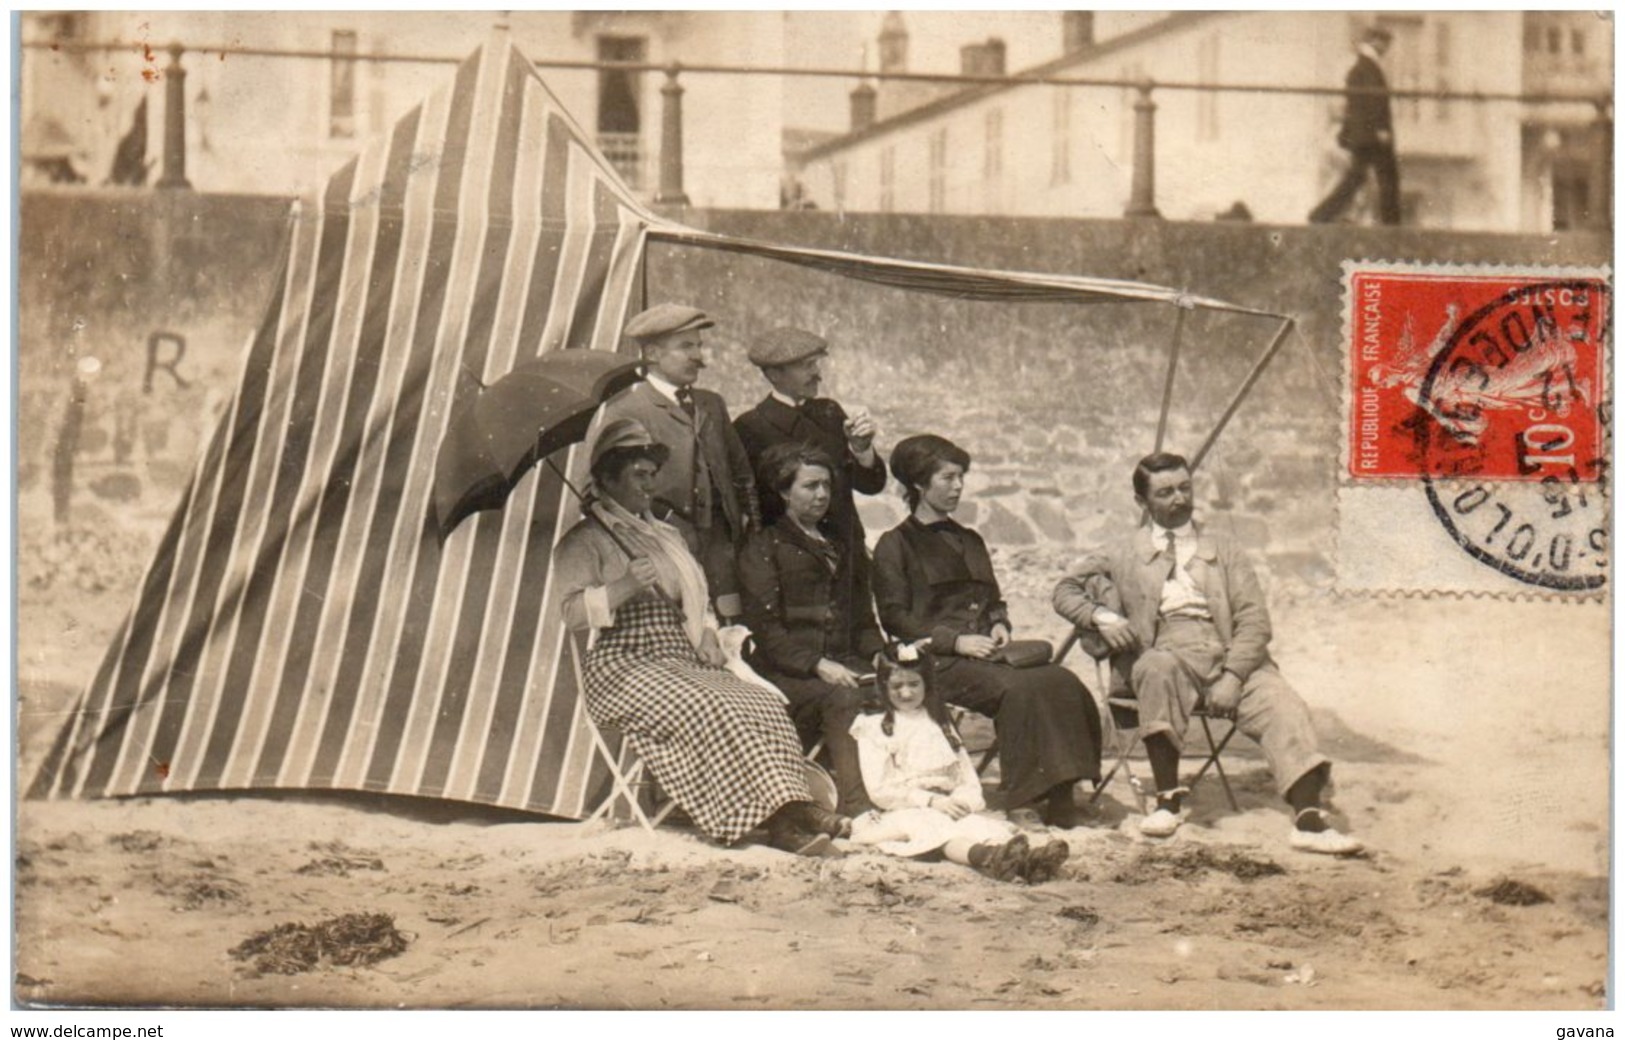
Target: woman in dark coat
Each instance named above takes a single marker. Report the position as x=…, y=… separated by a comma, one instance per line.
x=807, y=603
x=934, y=584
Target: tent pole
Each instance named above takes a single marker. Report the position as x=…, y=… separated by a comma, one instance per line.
x=1246, y=387
x=1168, y=380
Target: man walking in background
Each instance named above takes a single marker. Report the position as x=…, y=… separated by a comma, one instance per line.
x=707, y=481
x=1367, y=135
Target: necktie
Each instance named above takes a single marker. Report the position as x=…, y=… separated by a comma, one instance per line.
x=685, y=400
x=1172, y=552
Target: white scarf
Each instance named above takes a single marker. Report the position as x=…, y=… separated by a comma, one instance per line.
x=680, y=576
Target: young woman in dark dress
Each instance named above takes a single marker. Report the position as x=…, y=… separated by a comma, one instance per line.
x=934, y=584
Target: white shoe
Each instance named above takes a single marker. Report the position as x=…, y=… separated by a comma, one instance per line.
x=1329, y=842
x=1161, y=824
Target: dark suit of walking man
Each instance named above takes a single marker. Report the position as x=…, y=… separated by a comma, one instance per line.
x=1368, y=134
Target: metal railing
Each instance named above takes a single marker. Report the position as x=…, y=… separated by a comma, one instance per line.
x=625, y=150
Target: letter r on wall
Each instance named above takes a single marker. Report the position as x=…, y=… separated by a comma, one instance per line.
x=172, y=365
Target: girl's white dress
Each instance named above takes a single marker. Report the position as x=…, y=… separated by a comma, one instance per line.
x=902, y=772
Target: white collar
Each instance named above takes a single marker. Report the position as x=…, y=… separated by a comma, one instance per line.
x=664, y=387
x=1183, y=534
x=784, y=398
x=1370, y=52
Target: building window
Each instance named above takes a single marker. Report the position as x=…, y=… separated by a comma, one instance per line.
x=837, y=172
x=1207, y=101
x=1404, y=63
x=341, y=92
x=993, y=155
x=620, y=118
x=1060, y=162
x=1554, y=40
x=1577, y=42
x=59, y=26
x=378, y=90
x=888, y=178
x=1077, y=30
x=937, y=170
x=1571, y=197
x=1441, y=70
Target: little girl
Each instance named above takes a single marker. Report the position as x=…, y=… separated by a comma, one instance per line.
x=921, y=780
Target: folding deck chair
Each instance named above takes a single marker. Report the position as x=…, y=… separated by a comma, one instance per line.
x=631, y=787
x=630, y=782
x=1123, y=718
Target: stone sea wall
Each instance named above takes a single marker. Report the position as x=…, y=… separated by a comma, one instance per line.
x=135, y=307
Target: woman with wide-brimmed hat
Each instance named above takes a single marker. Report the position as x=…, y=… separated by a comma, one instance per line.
x=721, y=747
x=934, y=585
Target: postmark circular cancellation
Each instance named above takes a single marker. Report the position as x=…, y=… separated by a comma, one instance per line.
x=1490, y=391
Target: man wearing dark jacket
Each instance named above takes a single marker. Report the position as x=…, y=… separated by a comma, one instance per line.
x=793, y=412
x=1367, y=134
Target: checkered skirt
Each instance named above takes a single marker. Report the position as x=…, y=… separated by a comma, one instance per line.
x=723, y=748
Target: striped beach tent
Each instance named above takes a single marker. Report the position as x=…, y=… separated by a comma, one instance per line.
x=302, y=625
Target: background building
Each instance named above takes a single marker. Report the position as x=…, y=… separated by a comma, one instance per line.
x=275, y=125
x=1058, y=150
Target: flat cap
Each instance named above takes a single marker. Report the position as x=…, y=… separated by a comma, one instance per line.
x=665, y=318
x=784, y=346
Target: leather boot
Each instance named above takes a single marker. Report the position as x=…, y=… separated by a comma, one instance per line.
x=1007, y=862
x=785, y=833
x=1044, y=864
x=818, y=820
x=1060, y=810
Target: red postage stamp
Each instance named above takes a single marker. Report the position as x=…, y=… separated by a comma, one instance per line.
x=1477, y=415
x=1493, y=376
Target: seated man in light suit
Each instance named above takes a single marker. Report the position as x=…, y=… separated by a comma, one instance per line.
x=1182, y=615
x=707, y=481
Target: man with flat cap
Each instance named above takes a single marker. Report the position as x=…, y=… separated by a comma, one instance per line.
x=793, y=412
x=707, y=481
